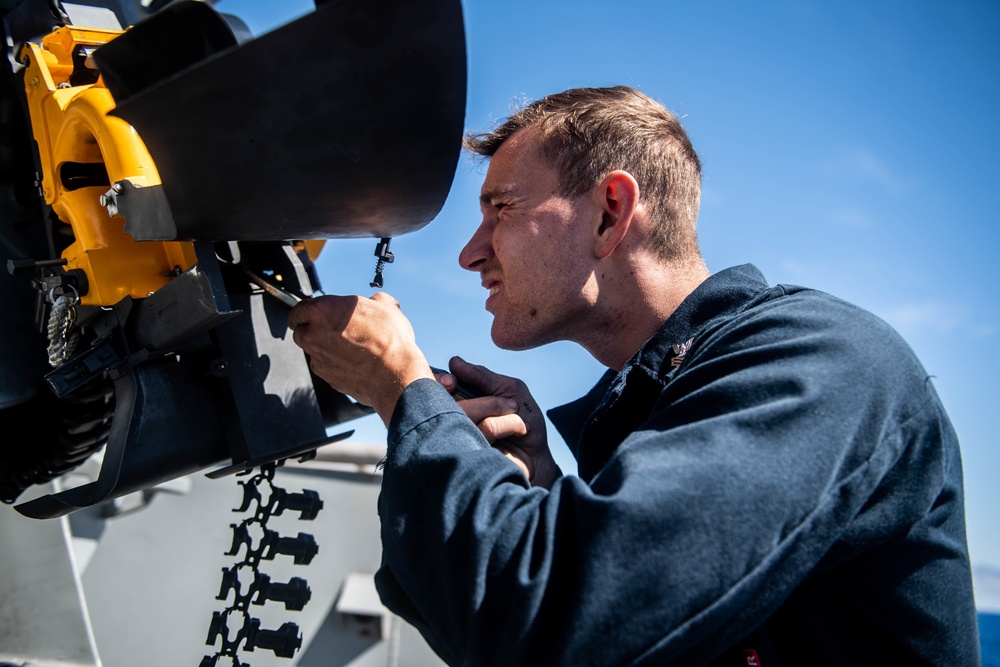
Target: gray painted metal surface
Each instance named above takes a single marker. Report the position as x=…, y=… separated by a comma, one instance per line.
x=144, y=571
x=43, y=616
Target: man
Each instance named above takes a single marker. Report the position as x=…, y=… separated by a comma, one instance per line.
x=766, y=475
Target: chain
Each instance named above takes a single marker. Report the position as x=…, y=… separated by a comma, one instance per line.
x=63, y=336
x=250, y=586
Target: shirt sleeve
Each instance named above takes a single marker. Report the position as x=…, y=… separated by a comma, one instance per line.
x=767, y=456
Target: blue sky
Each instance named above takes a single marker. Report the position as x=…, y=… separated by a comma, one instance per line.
x=847, y=146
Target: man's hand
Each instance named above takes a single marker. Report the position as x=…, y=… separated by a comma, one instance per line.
x=508, y=417
x=364, y=348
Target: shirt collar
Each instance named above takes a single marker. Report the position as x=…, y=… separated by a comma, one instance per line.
x=720, y=296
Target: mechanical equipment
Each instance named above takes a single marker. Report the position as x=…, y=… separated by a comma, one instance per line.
x=163, y=175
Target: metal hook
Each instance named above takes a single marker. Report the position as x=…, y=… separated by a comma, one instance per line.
x=73, y=300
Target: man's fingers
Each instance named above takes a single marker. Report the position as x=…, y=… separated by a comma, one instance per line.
x=327, y=308
x=495, y=417
x=478, y=409
x=448, y=380
x=298, y=316
x=504, y=426
x=297, y=332
x=480, y=377
x=445, y=379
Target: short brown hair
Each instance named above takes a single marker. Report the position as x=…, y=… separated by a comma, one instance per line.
x=589, y=132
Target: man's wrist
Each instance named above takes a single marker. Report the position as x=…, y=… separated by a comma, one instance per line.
x=546, y=474
x=389, y=398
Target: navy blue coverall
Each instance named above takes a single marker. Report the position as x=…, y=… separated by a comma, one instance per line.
x=788, y=490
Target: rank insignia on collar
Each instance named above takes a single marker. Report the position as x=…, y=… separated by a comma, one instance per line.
x=680, y=349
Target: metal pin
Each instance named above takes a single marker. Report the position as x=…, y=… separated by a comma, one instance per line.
x=286, y=298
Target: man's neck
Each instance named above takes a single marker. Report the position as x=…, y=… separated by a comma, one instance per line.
x=634, y=305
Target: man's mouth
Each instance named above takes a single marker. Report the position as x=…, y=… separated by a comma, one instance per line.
x=492, y=285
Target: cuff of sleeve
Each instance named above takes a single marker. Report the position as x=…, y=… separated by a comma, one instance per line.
x=420, y=401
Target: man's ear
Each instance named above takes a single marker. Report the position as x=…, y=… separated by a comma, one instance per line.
x=618, y=197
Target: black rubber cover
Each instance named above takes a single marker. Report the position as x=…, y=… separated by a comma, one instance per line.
x=344, y=123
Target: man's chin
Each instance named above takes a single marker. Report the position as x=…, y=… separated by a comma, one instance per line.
x=507, y=339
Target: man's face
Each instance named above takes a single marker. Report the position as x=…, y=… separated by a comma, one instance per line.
x=531, y=248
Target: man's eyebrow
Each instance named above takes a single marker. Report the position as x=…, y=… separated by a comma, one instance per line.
x=487, y=197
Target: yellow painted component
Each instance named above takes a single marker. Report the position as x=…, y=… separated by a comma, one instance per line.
x=314, y=247
x=71, y=125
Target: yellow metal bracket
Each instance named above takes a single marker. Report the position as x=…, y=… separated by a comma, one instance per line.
x=72, y=129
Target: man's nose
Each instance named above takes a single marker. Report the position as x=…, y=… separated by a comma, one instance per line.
x=478, y=250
